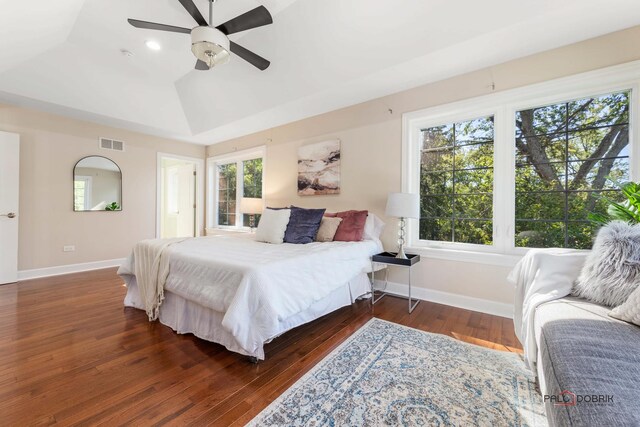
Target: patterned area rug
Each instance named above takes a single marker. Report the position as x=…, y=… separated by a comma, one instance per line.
x=389, y=374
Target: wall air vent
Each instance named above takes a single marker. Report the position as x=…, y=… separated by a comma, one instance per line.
x=111, y=144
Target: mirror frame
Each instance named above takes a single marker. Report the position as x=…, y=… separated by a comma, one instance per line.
x=73, y=179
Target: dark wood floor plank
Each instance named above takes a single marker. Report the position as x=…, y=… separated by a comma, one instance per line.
x=71, y=354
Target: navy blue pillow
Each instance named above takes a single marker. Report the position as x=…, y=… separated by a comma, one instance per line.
x=303, y=225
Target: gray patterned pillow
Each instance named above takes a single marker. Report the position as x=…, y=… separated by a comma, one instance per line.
x=612, y=269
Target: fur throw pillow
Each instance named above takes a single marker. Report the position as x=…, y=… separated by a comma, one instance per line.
x=612, y=269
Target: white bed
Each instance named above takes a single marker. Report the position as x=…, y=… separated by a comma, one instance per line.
x=241, y=293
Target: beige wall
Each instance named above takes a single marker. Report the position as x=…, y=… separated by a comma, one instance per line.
x=50, y=146
x=371, y=148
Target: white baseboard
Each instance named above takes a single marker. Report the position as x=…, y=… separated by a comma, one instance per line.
x=455, y=300
x=66, y=269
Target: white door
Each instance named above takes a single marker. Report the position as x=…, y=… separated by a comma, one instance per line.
x=177, y=198
x=9, y=178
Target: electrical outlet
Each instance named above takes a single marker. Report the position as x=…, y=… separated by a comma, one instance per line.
x=69, y=248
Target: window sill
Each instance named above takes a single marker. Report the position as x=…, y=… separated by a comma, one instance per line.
x=477, y=257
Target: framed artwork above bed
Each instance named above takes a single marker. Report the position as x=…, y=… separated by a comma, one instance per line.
x=319, y=168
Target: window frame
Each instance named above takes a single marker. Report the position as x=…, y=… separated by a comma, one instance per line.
x=236, y=157
x=503, y=106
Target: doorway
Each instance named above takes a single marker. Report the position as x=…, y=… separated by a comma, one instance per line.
x=179, y=185
x=9, y=183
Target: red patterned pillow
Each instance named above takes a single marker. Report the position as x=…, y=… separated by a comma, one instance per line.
x=351, y=228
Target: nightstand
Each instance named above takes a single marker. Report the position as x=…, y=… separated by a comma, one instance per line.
x=388, y=259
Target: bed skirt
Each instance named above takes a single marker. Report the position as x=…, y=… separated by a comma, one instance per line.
x=188, y=317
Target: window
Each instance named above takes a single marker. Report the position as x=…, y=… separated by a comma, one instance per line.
x=252, y=177
x=234, y=177
x=456, y=182
x=82, y=193
x=522, y=168
x=227, y=194
x=568, y=158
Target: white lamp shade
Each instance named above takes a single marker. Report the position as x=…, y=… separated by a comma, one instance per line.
x=251, y=205
x=403, y=205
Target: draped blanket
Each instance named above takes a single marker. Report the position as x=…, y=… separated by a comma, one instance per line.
x=542, y=275
x=151, y=270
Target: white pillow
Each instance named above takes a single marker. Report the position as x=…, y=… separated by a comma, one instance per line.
x=373, y=227
x=273, y=224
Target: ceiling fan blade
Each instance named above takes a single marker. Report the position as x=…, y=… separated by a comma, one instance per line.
x=201, y=65
x=254, y=18
x=193, y=11
x=252, y=58
x=154, y=26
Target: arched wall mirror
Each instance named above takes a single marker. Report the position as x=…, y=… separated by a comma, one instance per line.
x=97, y=185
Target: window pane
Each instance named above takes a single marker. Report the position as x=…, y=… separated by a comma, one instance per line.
x=606, y=110
x=457, y=165
x=581, y=234
x=227, y=194
x=436, y=182
x=474, y=181
x=436, y=229
x=474, y=156
x=478, y=207
x=582, y=143
x=532, y=234
x=436, y=206
x=477, y=232
x=542, y=121
x=598, y=175
x=474, y=131
x=252, y=173
x=437, y=136
x=540, y=149
x=542, y=177
x=540, y=206
x=252, y=185
x=565, y=155
x=437, y=159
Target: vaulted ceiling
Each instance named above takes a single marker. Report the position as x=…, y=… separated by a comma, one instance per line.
x=64, y=56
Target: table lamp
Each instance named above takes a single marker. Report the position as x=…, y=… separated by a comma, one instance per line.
x=251, y=206
x=403, y=205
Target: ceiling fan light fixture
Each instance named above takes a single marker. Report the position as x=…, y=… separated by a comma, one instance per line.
x=210, y=46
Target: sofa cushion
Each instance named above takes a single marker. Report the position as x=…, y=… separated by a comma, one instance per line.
x=584, y=351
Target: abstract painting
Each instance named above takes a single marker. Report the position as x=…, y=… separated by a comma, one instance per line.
x=319, y=168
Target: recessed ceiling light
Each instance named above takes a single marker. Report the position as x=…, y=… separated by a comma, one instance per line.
x=153, y=45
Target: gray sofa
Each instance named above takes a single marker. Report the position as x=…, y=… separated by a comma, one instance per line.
x=582, y=350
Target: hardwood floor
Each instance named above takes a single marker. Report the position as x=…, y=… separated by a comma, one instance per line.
x=70, y=353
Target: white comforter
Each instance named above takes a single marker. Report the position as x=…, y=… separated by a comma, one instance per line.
x=542, y=275
x=258, y=284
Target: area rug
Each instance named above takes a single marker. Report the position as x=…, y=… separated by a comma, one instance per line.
x=389, y=374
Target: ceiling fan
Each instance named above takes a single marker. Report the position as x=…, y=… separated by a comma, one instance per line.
x=210, y=44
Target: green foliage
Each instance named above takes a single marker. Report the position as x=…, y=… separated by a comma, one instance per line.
x=564, y=154
x=227, y=189
x=112, y=207
x=627, y=210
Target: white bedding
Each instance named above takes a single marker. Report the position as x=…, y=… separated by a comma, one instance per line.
x=257, y=285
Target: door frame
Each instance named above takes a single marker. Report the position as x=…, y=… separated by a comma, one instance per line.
x=200, y=180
